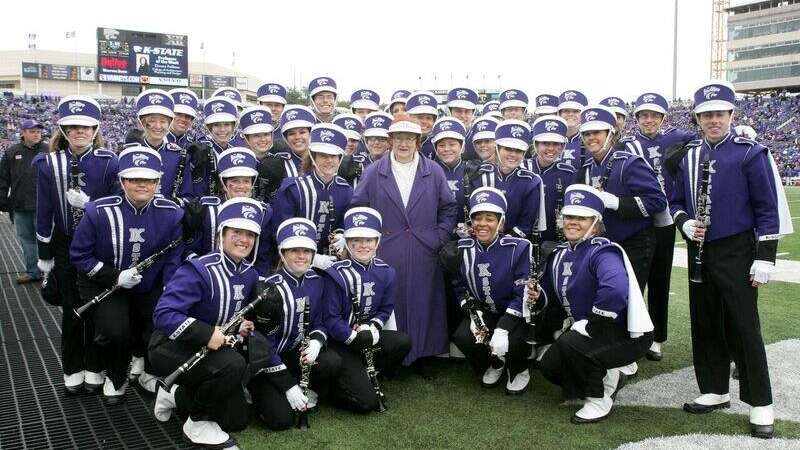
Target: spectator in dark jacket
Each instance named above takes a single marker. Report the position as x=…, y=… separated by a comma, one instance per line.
x=18, y=193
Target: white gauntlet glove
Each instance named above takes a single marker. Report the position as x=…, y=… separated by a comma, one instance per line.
x=761, y=271
x=689, y=228
x=499, y=342
x=296, y=399
x=312, y=351
x=580, y=327
x=338, y=242
x=128, y=278
x=322, y=262
x=746, y=131
x=45, y=265
x=76, y=198
x=610, y=200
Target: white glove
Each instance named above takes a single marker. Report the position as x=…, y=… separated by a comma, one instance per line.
x=689, y=227
x=297, y=400
x=610, y=200
x=761, y=271
x=473, y=327
x=746, y=131
x=128, y=278
x=462, y=231
x=580, y=327
x=76, y=198
x=45, y=265
x=323, y=261
x=338, y=242
x=499, y=342
x=312, y=351
x=372, y=329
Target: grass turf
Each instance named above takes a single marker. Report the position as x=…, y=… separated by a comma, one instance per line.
x=791, y=244
x=453, y=411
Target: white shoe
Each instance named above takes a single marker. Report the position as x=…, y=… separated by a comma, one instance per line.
x=630, y=370
x=542, y=350
x=762, y=415
x=148, y=382
x=656, y=347
x=594, y=410
x=137, y=367
x=313, y=399
x=204, y=432
x=165, y=403
x=712, y=399
x=519, y=383
x=94, y=378
x=113, y=396
x=492, y=376
x=73, y=384
x=610, y=382
x=455, y=352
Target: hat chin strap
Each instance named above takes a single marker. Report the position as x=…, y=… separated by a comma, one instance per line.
x=94, y=135
x=353, y=254
x=286, y=265
x=589, y=234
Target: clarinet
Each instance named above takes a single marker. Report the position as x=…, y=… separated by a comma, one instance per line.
x=305, y=368
x=213, y=185
x=74, y=175
x=140, y=267
x=467, y=186
x=559, y=204
x=331, y=250
x=607, y=171
x=369, y=355
x=703, y=215
x=176, y=188
x=533, y=278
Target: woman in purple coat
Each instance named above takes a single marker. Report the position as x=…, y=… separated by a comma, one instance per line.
x=419, y=214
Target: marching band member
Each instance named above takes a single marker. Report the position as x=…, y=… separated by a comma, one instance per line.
x=492, y=277
x=322, y=92
x=220, y=117
x=186, y=106
x=353, y=127
x=321, y=196
x=411, y=194
x=204, y=294
x=376, y=135
x=273, y=96
x=482, y=135
x=570, y=105
x=492, y=109
x=398, y=101
x=513, y=104
x=276, y=392
x=238, y=175
x=76, y=170
x=546, y=104
x=461, y=103
x=423, y=108
x=448, y=136
x=617, y=106
x=115, y=234
x=629, y=187
x=363, y=280
x=231, y=94
x=364, y=102
x=256, y=124
x=738, y=247
x=154, y=111
x=593, y=308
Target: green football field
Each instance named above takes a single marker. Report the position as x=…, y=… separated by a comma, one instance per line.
x=453, y=411
x=789, y=247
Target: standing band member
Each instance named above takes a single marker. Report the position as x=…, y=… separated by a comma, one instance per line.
x=186, y=107
x=359, y=298
x=322, y=92
x=482, y=135
x=731, y=254
x=203, y=295
x=257, y=129
x=462, y=103
x=492, y=277
x=299, y=346
x=220, y=117
x=423, y=108
x=364, y=102
x=594, y=310
x=570, y=105
x=546, y=104
x=77, y=169
x=273, y=96
x=116, y=233
x=398, y=102
x=296, y=123
x=513, y=104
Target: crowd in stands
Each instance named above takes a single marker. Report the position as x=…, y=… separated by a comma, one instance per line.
x=775, y=118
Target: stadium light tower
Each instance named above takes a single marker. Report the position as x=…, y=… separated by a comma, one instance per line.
x=718, y=38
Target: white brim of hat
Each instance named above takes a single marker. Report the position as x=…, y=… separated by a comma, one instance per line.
x=496, y=114
x=580, y=211
x=486, y=207
x=376, y=132
x=298, y=242
x=242, y=224
x=512, y=104
x=185, y=109
x=618, y=110
x=595, y=125
x=570, y=105
x=550, y=137
x=545, y=110
x=714, y=105
x=140, y=172
x=324, y=147
x=82, y=121
x=466, y=104
x=398, y=100
x=319, y=89
x=272, y=98
x=405, y=127
x=220, y=117
x=517, y=144
x=482, y=135
x=364, y=104
x=295, y=124
x=238, y=172
x=259, y=128
x=352, y=134
x=155, y=109
x=649, y=107
x=447, y=134
x=361, y=232
x=423, y=109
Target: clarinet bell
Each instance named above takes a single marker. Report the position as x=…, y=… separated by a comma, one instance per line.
x=302, y=421
x=381, y=403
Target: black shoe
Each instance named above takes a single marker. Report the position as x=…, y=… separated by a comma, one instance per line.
x=580, y=420
x=697, y=408
x=623, y=379
x=653, y=356
x=762, y=431
x=73, y=390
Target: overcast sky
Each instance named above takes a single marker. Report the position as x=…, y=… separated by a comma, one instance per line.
x=603, y=47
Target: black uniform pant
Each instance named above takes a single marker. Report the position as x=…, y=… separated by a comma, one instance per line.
x=639, y=248
x=578, y=364
x=478, y=354
x=352, y=388
x=725, y=323
x=123, y=321
x=659, y=279
x=212, y=389
x=78, y=350
x=270, y=400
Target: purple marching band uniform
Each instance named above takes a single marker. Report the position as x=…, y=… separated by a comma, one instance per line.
x=112, y=238
x=372, y=284
x=494, y=276
x=215, y=109
x=452, y=128
x=186, y=102
x=424, y=102
x=234, y=162
x=205, y=293
x=574, y=153
x=413, y=232
x=96, y=177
